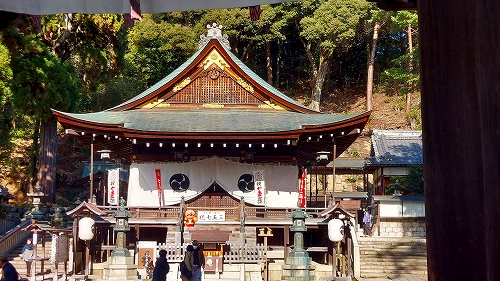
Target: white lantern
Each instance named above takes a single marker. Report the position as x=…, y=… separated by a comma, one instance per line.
x=85, y=229
x=335, y=230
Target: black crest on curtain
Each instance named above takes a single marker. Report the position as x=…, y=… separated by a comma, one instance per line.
x=179, y=182
x=245, y=183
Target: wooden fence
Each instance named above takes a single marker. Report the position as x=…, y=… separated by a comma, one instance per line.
x=233, y=253
x=246, y=253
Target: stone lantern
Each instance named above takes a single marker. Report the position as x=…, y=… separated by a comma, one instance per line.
x=120, y=266
x=298, y=264
x=298, y=227
x=121, y=228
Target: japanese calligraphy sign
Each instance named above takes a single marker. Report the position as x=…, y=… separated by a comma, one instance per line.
x=113, y=186
x=211, y=216
x=259, y=187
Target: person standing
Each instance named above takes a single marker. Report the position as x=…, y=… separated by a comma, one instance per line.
x=198, y=261
x=367, y=223
x=188, y=261
x=9, y=272
x=28, y=254
x=161, y=267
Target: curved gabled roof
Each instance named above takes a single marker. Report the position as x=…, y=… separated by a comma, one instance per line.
x=214, y=98
x=179, y=74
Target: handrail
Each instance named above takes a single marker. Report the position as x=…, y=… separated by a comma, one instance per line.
x=356, y=254
x=14, y=237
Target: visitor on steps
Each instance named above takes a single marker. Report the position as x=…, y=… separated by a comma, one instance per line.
x=28, y=254
x=161, y=267
x=198, y=261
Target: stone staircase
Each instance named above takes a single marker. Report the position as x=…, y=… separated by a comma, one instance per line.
x=20, y=265
x=391, y=256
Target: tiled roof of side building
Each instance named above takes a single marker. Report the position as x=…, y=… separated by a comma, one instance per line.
x=392, y=147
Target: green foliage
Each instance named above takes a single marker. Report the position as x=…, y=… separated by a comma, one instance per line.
x=351, y=178
x=403, y=75
x=333, y=24
x=156, y=49
x=5, y=97
x=400, y=79
x=415, y=180
x=402, y=181
x=41, y=81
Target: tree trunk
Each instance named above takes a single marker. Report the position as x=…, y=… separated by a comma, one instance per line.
x=46, y=176
x=371, y=62
x=269, y=65
x=278, y=63
x=323, y=69
x=410, y=51
x=34, y=156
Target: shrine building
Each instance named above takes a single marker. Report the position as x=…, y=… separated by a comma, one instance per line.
x=214, y=153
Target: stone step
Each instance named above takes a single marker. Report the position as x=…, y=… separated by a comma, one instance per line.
x=388, y=261
x=383, y=256
x=378, y=253
x=384, y=273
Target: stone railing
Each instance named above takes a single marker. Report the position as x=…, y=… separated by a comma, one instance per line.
x=6, y=225
x=14, y=237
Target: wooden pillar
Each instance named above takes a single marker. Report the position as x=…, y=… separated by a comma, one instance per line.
x=286, y=240
x=333, y=169
x=91, y=174
x=460, y=82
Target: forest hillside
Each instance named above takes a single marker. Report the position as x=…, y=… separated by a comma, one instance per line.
x=329, y=55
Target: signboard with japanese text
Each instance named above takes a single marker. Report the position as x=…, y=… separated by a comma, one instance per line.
x=259, y=188
x=302, y=189
x=211, y=216
x=113, y=186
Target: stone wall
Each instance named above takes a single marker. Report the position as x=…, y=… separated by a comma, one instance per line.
x=401, y=227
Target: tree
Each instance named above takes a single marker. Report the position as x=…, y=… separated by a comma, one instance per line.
x=330, y=27
x=404, y=74
x=5, y=99
x=379, y=17
x=155, y=49
x=415, y=179
x=41, y=82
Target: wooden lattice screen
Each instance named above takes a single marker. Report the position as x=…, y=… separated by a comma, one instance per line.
x=218, y=202
x=216, y=87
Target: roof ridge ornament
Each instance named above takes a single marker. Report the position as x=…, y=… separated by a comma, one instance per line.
x=214, y=31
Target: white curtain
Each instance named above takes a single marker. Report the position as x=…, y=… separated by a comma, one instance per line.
x=281, y=182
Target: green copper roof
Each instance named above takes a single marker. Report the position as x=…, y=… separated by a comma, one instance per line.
x=238, y=62
x=210, y=120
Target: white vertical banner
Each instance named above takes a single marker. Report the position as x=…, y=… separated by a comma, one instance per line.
x=113, y=186
x=259, y=188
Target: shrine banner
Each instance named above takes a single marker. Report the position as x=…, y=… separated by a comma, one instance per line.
x=260, y=188
x=113, y=186
x=158, y=184
x=302, y=189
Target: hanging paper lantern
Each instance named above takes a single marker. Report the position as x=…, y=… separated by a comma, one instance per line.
x=86, y=228
x=335, y=230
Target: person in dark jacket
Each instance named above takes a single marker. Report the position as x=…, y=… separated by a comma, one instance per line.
x=9, y=272
x=198, y=261
x=161, y=267
x=188, y=261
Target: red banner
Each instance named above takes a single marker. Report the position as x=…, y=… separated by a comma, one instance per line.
x=158, y=184
x=255, y=12
x=302, y=189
